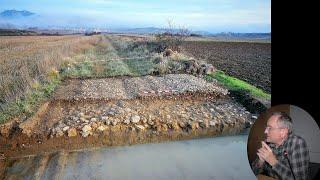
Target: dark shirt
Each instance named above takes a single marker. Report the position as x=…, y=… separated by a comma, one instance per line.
x=297, y=154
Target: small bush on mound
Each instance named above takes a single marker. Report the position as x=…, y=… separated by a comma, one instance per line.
x=161, y=68
x=178, y=63
x=179, y=57
x=172, y=38
x=176, y=67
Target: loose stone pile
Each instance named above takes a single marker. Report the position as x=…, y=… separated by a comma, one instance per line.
x=157, y=116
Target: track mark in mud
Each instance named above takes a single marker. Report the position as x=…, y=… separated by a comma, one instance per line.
x=57, y=162
x=43, y=162
x=62, y=160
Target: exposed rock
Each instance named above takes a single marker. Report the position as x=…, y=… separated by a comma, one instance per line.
x=210, y=69
x=114, y=122
x=94, y=125
x=107, y=122
x=72, y=132
x=86, y=130
x=65, y=128
x=111, y=113
x=212, y=123
x=127, y=121
x=103, y=118
x=84, y=119
x=143, y=119
x=59, y=132
x=86, y=134
x=101, y=128
x=150, y=122
x=140, y=127
x=135, y=119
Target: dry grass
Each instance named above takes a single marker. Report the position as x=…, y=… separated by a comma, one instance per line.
x=28, y=60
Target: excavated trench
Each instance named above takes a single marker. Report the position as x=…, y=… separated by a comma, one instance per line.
x=86, y=113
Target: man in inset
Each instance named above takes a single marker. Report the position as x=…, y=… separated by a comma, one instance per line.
x=284, y=155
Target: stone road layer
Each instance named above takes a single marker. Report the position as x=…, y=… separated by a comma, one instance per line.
x=135, y=87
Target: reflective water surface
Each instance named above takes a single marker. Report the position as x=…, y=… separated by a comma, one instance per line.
x=210, y=158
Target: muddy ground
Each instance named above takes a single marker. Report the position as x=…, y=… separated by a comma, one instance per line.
x=250, y=62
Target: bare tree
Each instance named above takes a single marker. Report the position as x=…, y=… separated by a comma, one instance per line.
x=172, y=38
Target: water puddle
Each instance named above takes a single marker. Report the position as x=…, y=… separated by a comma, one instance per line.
x=209, y=158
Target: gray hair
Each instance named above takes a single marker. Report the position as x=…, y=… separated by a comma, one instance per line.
x=284, y=121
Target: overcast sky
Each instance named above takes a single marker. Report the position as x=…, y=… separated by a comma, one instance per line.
x=207, y=15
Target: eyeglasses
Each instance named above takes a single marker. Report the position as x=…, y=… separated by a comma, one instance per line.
x=268, y=128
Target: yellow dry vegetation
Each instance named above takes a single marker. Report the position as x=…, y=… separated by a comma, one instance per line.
x=25, y=60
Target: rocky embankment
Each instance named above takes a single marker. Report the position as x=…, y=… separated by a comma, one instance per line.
x=158, y=116
x=120, y=111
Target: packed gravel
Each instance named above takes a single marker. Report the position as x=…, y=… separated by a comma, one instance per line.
x=135, y=87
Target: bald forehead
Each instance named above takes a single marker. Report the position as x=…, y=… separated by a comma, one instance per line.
x=273, y=119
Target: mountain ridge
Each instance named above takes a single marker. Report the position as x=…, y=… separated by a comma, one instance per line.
x=15, y=14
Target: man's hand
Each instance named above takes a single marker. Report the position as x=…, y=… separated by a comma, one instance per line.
x=265, y=154
x=261, y=160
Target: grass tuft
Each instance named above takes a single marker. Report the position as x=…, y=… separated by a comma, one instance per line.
x=237, y=84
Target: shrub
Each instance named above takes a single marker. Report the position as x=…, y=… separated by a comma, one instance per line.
x=172, y=38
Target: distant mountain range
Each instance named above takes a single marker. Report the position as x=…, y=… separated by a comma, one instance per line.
x=15, y=14
x=154, y=30
x=243, y=35
x=23, y=20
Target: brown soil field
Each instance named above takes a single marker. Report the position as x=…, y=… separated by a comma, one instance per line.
x=247, y=61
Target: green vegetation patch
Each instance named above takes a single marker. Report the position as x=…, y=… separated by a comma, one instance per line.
x=110, y=68
x=28, y=104
x=237, y=84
